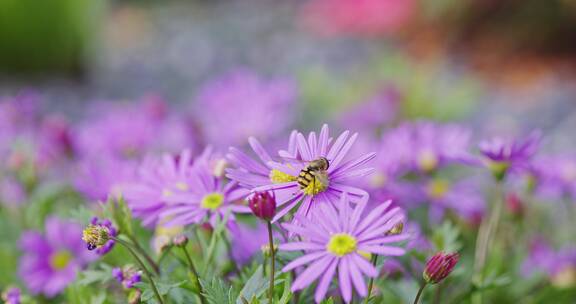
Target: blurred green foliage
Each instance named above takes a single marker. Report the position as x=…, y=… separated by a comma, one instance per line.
x=47, y=36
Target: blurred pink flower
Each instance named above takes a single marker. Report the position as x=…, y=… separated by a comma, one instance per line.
x=358, y=17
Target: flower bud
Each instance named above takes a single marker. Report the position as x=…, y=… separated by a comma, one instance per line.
x=11, y=296
x=397, y=229
x=180, y=240
x=439, y=267
x=134, y=296
x=263, y=205
x=96, y=236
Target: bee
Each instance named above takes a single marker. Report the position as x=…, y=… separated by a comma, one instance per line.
x=315, y=169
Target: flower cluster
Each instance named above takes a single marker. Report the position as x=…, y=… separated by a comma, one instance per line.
x=127, y=276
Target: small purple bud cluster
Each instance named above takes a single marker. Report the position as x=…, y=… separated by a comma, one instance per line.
x=263, y=205
x=439, y=267
x=11, y=296
x=112, y=231
x=128, y=276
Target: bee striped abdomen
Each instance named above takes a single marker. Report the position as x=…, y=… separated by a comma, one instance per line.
x=305, y=177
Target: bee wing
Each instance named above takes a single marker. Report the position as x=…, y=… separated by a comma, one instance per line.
x=322, y=177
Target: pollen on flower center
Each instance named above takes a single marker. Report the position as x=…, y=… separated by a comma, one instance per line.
x=277, y=176
x=438, y=188
x=427, y=160
x=317, y=186
x=212, y=201
x=341, y=244
x=59, y=260
x=167, y=192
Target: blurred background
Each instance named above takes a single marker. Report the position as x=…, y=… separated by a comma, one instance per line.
x=509, y=61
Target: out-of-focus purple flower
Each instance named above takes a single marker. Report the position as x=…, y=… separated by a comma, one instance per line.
x=263, y=205
x=558, y=265
x=112, y=231
x=462, y=196
x=555, y=175
x=99, y=177
x=50, y=262
x=512, y=154
x=128, y=276
x=375, y=113
x=11, y=296
x=209, y=197
x=127, y=131
x=325, y=187
x=423, y=147
x=440, y=266
x=339, y=239
x=241, y=104
x=159, y=182
x=247, y=241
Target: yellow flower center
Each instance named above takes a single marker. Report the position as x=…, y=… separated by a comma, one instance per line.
x=212, y=201
x=341, y=244
x=167, y=192
x=317, y=185
x=427, y=160
x=277, y=176
x=566, y=278
x=59, y=260
x=438, y=188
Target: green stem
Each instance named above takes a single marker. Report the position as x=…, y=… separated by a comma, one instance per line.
x=371, y=284
x=195, y=273
x=486, y=233
x=419, y=293
x=438, y=294
x=211, y=248
x=141, y=264
x=147, y=257
x=272, y=261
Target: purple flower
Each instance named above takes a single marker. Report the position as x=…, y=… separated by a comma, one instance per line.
x=339, y=239
x=440, y=266
x=101, y=176
x=11, y=296
x=210, y=196
x=128, y=276
x=462, y=197
x=159, y=182
x=326, y=186
x=127, y=131
x=252, y=105
x=558, y=265
x=50, y=261
x=555, y=175
x=423, y=147
x=112, y=231
x=263, y=205
x=511, y=154
x=250, y=173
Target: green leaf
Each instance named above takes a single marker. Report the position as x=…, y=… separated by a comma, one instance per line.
x=445, y=238
x=217, y=292
x=120, y=214
x=101, y=276
x=257, y=284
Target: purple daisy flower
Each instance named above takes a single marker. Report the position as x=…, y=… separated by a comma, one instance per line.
x=250, y=173
x=112, y=231
x=159, y=182
x=283, y=178
x=423, y=147
x=12, y=295
x=99, y=177
x=255, y=106
x=555, y=175
x=338, y=240
x=504, y=155
x=210, y=196
x=50, y=262
x=558, y=265
x=462, y=197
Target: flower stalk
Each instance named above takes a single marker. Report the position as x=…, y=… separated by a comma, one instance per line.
x=141, y=264
x=181, y=242
x=272, y=262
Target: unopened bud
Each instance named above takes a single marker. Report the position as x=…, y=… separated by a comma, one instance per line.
x=134, y=296
x=439, y=267
x=263, y=205
x=397, y=229
x=180, y=240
